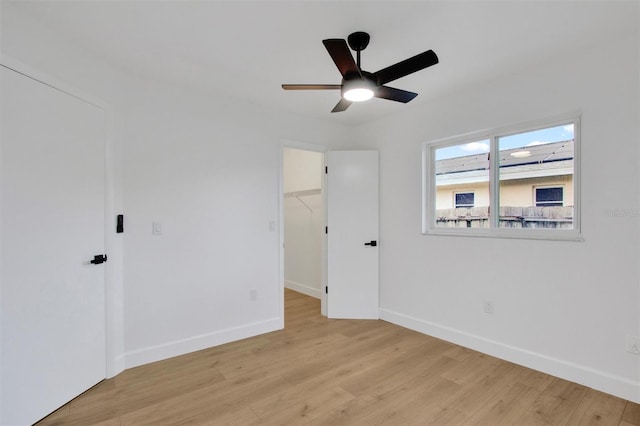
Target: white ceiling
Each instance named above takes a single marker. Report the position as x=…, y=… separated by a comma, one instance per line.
x=251, y=48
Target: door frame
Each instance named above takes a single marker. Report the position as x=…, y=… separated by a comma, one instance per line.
x=323, y=267
x=114, y=326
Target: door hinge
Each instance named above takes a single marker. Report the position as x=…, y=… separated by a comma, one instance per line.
x=326, y=229
x=326, y=170
x=326, y=289
x=119, y=224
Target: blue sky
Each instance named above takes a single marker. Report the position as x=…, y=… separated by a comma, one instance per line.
x=521, y=140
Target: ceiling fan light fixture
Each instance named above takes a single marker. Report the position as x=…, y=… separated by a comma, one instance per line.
x=358, y=94
x=359, y=85
x=357, y=90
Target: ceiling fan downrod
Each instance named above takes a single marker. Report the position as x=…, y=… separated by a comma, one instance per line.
x=358, y=41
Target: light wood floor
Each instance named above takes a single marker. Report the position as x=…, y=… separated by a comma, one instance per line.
x=340, y=372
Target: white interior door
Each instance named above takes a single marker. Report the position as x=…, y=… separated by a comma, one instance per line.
x=352, y=217
x=52, y=224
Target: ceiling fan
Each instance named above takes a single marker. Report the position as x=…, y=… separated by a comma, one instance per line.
x=359, y=85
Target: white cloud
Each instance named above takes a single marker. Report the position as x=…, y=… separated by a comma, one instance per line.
x=534, y=143
x=476, y=147
x=568, y=129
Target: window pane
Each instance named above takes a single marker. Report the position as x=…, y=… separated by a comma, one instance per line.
x=536, y=179
x=464, y=199
x=462, y=185
x=549, y=196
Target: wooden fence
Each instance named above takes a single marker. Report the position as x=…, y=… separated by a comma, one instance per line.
x=510, y=217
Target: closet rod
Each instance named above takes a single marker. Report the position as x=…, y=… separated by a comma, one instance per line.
x=304, y=193
x=298, y=194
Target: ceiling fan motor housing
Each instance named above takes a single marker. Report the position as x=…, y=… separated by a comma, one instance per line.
x=358, y=41
x=360, y=76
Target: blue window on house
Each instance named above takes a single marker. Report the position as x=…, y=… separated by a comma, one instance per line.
x=465, y=199
x=549, y=197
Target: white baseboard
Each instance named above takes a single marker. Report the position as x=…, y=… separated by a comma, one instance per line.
x=621, y=387
x=301, y=288
x=116, y=367
x=180, y=347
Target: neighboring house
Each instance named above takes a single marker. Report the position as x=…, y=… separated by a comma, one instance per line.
x=536, y=187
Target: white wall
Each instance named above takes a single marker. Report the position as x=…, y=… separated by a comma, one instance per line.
x=560, y=307
x=302, y=170
x=207, y=170
x=203, y=166
x=303, y=221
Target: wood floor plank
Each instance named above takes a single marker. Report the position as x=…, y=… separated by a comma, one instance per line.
x=472, y=369
x=631, y=414
x=298, y=406
x=207, y=403
x=361, y=411
x=319, y=371
x=597, y=408
x=424, y=405
x=534, y=379
x=244, y=416
x=555, y=405
x=473, y=395
x=505, y=407
x=386, y=371
x=120, y=400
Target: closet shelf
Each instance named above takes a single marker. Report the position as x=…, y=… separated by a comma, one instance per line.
x=304, y=193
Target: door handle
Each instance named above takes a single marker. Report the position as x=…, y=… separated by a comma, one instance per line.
x=99, y=258
x=372, y=243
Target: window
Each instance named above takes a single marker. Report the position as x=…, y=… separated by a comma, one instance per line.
x=520, y=181
x=462, y=177
x=549, y=197
x=464, y=199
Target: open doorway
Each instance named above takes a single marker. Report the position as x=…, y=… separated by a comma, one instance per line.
x=303, y=222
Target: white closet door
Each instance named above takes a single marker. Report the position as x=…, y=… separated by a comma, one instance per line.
x=352, y=258
x=52, y=225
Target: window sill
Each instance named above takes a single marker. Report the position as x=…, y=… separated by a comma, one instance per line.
x=566, y=235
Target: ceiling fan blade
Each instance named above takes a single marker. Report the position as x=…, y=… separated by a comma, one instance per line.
x=341, y=55
x=341, y=106
x=406, y=67
x=311, y=86
x=393, y=94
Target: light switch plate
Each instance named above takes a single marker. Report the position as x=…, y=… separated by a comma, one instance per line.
x=156, y=228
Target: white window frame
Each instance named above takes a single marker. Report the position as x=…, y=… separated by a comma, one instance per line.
x=429, y=190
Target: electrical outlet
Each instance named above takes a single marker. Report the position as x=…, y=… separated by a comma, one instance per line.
x=253, y=295
x=487, y=306
x=633, y=345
